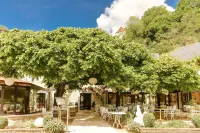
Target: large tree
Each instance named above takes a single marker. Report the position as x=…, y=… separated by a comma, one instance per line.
x=176, y=75
x=71, y=56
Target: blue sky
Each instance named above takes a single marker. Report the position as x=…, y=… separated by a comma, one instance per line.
x=50, y=14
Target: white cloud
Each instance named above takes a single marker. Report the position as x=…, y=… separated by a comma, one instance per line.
x=120, y=10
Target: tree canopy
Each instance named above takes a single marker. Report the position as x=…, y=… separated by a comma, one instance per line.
x=72, y=56
x=162, y=31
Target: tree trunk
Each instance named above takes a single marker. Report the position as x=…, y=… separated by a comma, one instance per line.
x=59, y=92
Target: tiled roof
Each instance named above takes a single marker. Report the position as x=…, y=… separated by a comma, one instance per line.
x=121, y=29
x=15, y=80
x=1, y=30
x=187, y=52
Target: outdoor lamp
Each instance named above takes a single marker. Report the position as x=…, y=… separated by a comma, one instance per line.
x=92, y=81
x=9, y=81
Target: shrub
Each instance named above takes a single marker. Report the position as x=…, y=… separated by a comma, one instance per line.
x=172, y=124
x=26, y=123
x=177, y=124
x=127, y=118
x=134, y=126
x=47, y=117
x=54, y=126
x=148, y=119
x=196, y=120
x=3, y=122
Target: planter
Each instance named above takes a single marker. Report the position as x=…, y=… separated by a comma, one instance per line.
x=170, y=130
x=21, y=130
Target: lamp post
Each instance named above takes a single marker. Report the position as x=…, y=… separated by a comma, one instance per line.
x=67, y=95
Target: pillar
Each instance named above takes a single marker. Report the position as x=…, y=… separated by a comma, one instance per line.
x=27, y=95
x=117, y=98
x=15, y=100
x=2, y=98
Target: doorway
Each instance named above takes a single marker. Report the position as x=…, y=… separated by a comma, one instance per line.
x=85, y=101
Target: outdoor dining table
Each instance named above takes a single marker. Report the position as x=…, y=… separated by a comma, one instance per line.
x=117, y=116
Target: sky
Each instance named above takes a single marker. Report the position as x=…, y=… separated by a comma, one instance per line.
x=50, y=14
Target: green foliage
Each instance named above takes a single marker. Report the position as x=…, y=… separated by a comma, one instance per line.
x=54, y=126
x=176, y=75
x=26, y=123
x=172, y=124
x=148, y=119
x=133, y=126
x=48, y=117
x=127, y=118
x=73, y=55
x=191, y=102
x=3, y=122
x=162, y=31
x=134, y=30
x=196, y=120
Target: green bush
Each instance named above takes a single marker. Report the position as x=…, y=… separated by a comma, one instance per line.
x=3, y=122
x=133, y=126
x=127, y=118
x=54, y=126
x=172, y=124
x=47, y=117
x=148, y=119
x=177, y=124
x=196, y=120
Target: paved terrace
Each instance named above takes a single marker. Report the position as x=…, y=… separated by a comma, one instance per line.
x=90, y=122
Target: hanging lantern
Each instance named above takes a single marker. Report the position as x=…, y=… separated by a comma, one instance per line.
x=92, y=81
x=9, y=81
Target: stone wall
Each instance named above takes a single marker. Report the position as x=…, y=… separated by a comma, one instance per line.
x=21, y=131
x=170, y=130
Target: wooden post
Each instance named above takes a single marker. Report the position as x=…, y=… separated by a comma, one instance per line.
x=2, y=99
x=27, y=94
x=117, y=99
x=158, y=99
x=169, y=100
x=15, y=99
x=177, y=98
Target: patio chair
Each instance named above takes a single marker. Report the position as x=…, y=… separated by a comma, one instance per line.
x=166, y=112
x=105, y=114
x=171, y=113
x=178, y=113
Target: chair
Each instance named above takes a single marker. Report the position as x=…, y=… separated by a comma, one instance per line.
x=105, y=114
